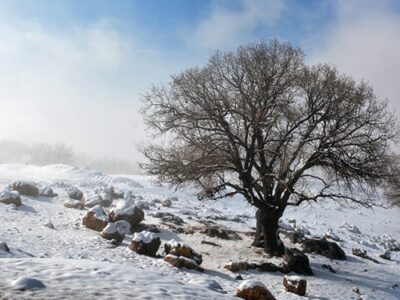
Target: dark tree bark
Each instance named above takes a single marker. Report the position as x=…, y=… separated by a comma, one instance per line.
x=261, y=124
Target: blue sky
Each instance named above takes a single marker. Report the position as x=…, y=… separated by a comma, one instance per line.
x=73, y=71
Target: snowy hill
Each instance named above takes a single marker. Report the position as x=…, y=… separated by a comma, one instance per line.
x=75, y=262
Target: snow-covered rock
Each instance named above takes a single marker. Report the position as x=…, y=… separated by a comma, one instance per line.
x=181, y=261
x=96, y=218
x=113, y=232
x=71, y=203
x=123, y=226
x=47, y=191
x=10, y=197
x=74, y=193
x=92, y=199
x=146, y=243
x=253, y=289
x=125, y=211
x=295, y=284
x=24, y=187
x=27, y=283
x=4, y=246
x=180, y=249
x=166, y=202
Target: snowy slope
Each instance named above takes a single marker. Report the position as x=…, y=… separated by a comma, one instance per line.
x=75, y=262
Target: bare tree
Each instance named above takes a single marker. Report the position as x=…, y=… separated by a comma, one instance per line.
x=260, y=123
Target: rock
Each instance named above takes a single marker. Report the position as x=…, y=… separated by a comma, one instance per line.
x=146, y=227
x=331, y=235
x=125, y=211
x=71, y=203
x=181, y=261
x=123, y=226
x=355, y=290
x=242, y=266
x=27, y=283
x=10, y=197
x=385, y=255
x=96, y=218
x=295, y=284
x=49, y=225
x=166, y=203
x=363, y=254
x=26, y=188
x=113, y=232
x=47, y=191
x=116, y=194
x=142, y=204
x=238, y=277
x=294, y=236
x=253, y=290
x=93, y=199
x=75, y=193
x=323, y=247
x=351, y=228
x=297, y=261
x=146, y=243
x=237, y=266
x=4, y=246
x=180, y=249
x=169, y=218
x=210, y=284
x=221, y=233
x=328, y=267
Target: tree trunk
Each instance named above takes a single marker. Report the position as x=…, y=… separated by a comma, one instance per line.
x=267, y=235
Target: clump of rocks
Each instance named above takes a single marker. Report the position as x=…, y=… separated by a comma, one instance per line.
x=181, y=255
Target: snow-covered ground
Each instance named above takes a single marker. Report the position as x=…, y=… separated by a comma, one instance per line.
x=75, y=262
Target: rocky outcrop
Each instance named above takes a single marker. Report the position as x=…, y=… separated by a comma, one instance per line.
x=323, y=247
x=96, y=218
x=295, y=284
x=145, y=243
x=253, y=290
x=297, y=261
x=26, y=188
x=10, y=197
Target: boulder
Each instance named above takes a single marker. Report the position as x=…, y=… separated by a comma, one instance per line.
x=297, y=261
x=146, y=243
x=295, y=284
x=385, y=255
x=181, y=261
x=180, y=249
x=253, y=290
x=26, y=188
x=10, y=197
x=124, y=226
x=125, y=211
x=96, y=218
x=92, y=199
x=27, y=283
x=323, y=247
x=47, y=191
x=71, y=203
x=166, y=203
x=4, y=246
x=113, y=232
x=75, y=193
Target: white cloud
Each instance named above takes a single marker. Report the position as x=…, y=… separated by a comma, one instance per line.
x=226, y=27
x=364, y=43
